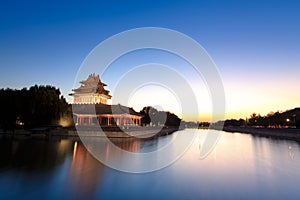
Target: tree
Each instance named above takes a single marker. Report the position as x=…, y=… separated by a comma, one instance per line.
x=40, y=105
x=152, y=115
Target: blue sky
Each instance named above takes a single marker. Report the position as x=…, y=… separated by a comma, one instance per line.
x=255, y=44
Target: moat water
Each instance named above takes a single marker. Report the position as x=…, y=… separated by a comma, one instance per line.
x=241, y=166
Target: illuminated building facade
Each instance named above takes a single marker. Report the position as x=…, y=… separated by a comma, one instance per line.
x=90, y=106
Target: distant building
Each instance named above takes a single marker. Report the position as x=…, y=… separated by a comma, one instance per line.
x=90, y=106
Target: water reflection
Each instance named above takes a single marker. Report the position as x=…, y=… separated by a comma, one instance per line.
x=33, y=155
x=84, y=173
x=127, y=144
x=240, y=167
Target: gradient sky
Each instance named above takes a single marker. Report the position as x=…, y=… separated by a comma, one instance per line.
x=255, y=44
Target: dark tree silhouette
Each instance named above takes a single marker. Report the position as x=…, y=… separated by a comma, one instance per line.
x=287, y=118
x=234, y=122
x=152, y=115
x=39, y=105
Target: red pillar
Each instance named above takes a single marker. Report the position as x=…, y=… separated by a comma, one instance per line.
x=108, y=121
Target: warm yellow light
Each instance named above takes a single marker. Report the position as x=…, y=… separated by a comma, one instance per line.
x=74, y=150
x=288, y=120
x=65, y=122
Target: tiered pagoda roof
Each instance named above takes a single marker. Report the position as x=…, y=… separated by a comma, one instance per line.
x=92, y=84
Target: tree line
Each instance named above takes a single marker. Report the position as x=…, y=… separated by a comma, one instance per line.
x=276, y=119
x=154, y=117
x=289, y=118
x=36, y=106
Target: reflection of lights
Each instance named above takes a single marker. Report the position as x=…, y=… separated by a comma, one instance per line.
x=107, y=151
x=63, y=146
x=291, y=154
x=74, y=150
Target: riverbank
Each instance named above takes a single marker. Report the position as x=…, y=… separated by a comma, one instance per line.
x=90, y=131
x=279, y=133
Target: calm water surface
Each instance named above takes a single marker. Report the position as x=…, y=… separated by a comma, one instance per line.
x=240, y=167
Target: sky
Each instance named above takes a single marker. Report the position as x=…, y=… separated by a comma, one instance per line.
x=254, y=44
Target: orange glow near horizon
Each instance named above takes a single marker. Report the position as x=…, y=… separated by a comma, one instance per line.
x=260, y=96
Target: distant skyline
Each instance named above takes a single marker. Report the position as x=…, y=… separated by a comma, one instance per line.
x=255, y=44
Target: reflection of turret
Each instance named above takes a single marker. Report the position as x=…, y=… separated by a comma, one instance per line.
x=85, y=172
x=131, y=145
